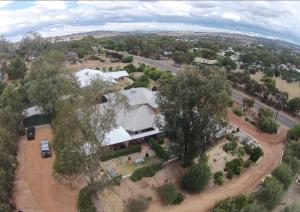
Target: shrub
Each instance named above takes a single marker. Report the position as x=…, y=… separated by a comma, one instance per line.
x=230, y=146
x=294, y=133
x=121, y=152
x=271, y=193
x=130, y=68
x=127, y=59
x=139, y=204
x=234, y=166
x=179, y=199
x=230, y=137
x=292, y=208
x=295, y=164
x=203, y=158
x=266, y=112
x=67, y=161
x=247, y=163
x=230, y=103
x=161, y=140
x=196, y=177
x=284, y=174
x=117, y=179
x=159, y=150
x=127, y=87
x=142, y=81
x=256, y=153
x=241, y=151
x=249, y=102
x=219, y=178
x=253, y=207
x=232, y=204
x=146, y=171
x=267, y=124
x=85, y=199
x=169, y=194
x=229, y=175
x=238, y=111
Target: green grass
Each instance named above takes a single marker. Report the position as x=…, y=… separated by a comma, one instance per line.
x=129, y=167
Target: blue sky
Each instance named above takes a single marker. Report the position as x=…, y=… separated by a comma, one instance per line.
x=277, y=19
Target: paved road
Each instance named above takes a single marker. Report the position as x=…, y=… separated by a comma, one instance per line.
x=238, y=96
x=282, y=117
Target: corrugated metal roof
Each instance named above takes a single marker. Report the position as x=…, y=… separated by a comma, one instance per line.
x=34, y=110
x=85, y=76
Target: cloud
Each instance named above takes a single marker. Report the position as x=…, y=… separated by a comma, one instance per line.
x=231, y=16
x=4, y=3
x=272, y=19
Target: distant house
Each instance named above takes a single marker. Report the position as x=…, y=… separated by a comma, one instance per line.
x=34, y=116
x=137, y=122
x=200, y=60
x=85, y=76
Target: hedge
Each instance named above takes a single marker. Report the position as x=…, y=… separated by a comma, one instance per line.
x=121, y=152
x=146, y=171
x=159, y=150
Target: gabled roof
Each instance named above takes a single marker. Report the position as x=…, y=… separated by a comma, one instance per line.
x=136, y=119
x=117, y=135
x=140, y=96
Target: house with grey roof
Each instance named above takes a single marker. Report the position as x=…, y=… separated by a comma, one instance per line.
x=136, y=122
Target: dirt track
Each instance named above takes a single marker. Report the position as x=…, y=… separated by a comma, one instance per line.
x=247, y=182
x=35, y=188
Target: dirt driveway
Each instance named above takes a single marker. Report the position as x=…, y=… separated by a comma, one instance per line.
x=35, y=188
x=247, y=182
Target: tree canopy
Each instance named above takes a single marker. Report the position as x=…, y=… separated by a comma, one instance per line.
x=197, y=112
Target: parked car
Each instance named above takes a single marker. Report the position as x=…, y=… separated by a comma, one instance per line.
x=45, y=148
x=30, y=133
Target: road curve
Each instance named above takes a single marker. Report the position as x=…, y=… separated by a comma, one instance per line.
x=272, y=146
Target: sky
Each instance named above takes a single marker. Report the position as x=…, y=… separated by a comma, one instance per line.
x=277, y=20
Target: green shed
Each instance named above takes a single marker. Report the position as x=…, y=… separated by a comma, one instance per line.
x=34, y=116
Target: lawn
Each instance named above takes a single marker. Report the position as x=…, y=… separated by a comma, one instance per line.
x=128, y=167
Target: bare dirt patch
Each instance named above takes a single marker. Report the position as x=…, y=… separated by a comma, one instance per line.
x=217, y=157
x=35, y=188
x=246, y=182
x=115, y=199
x=93, y=64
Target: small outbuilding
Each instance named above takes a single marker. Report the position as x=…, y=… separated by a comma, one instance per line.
x=34, y=116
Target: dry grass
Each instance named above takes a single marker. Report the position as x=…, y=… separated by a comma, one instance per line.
x=93, y=64
x=293, y=89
